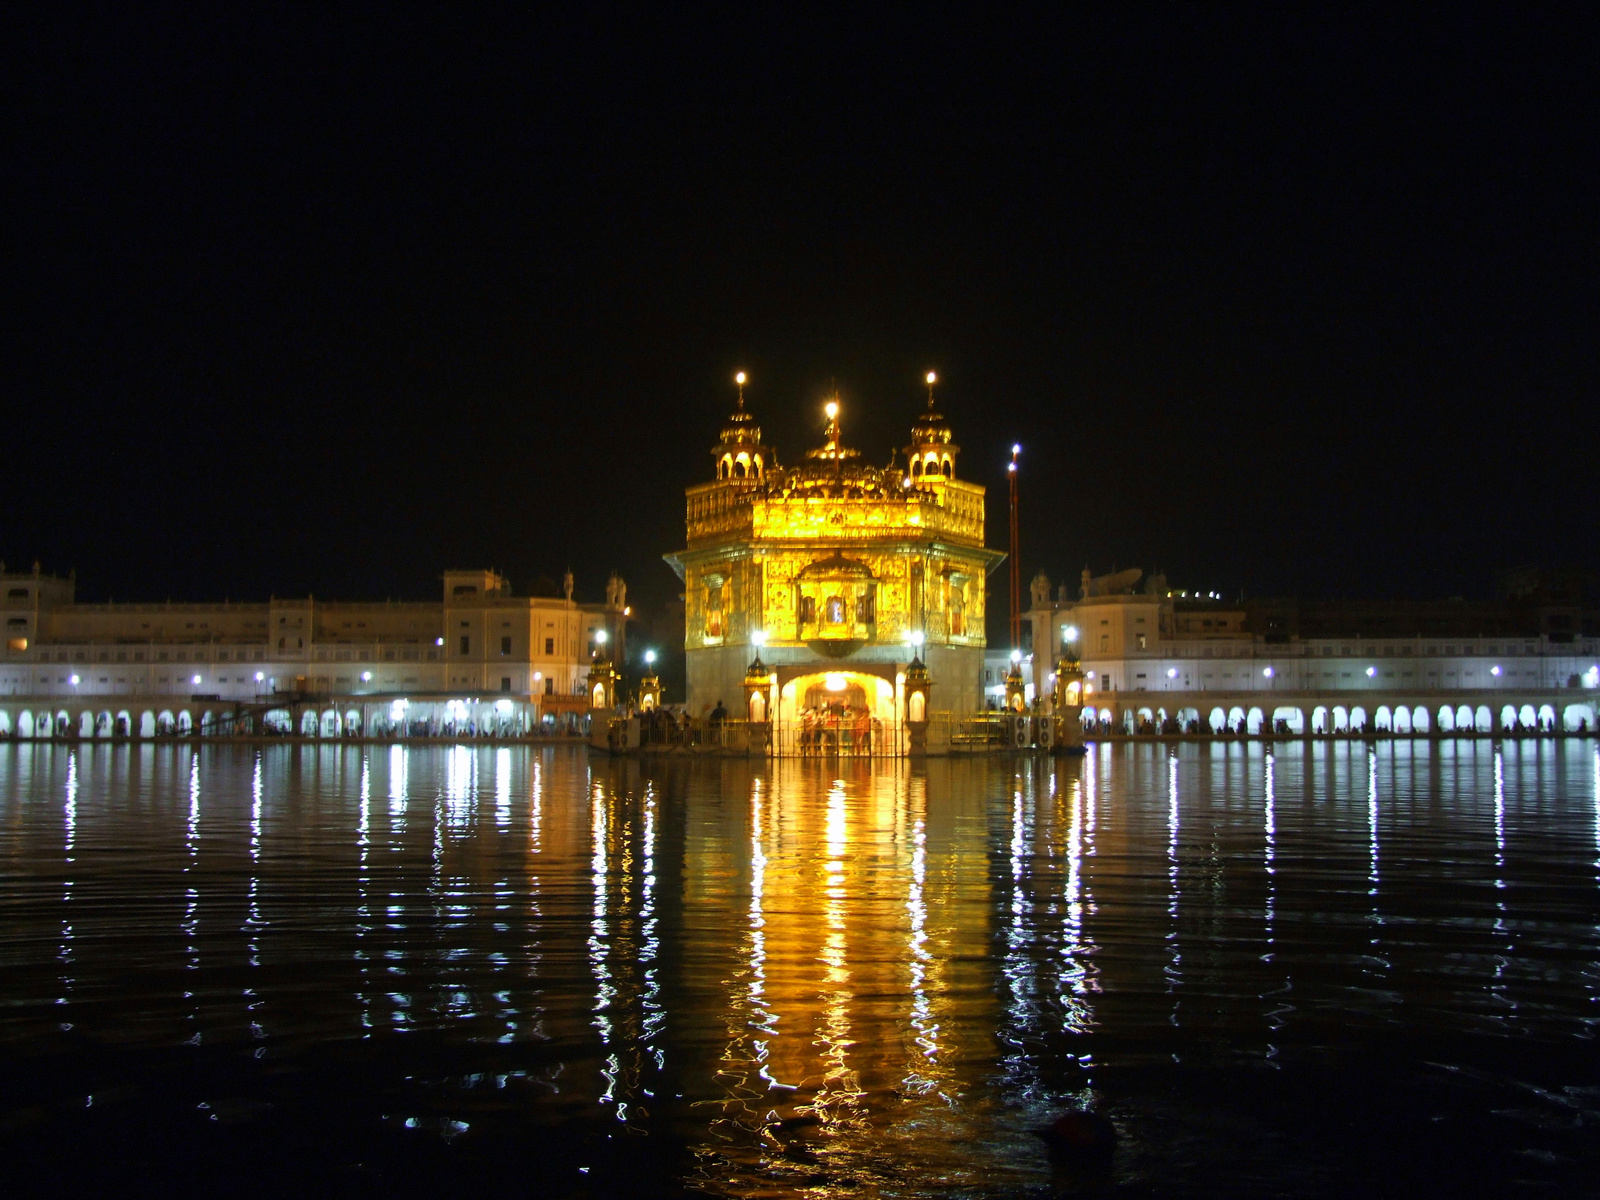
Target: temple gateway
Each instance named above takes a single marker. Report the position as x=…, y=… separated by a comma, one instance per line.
x=816, y=587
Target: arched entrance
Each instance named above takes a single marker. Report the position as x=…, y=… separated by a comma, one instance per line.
x=838, y=712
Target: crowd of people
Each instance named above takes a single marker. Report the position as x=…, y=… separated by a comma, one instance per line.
x=837, y=729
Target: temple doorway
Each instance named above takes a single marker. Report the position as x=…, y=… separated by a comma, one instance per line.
x=838, y=713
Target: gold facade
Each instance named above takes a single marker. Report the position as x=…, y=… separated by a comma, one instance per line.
x=833, y=562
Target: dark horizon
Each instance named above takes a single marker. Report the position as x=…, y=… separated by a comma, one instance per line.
x=1279, y=302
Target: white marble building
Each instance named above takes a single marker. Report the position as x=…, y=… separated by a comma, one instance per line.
x=1147, y=648
x=478, y=638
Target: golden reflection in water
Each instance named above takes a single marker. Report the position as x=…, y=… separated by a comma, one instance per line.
x=838, y=1097
x=622, y=943
x=860, y=991
x=928, y=1074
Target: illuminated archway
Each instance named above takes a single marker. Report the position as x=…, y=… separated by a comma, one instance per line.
x=836, y=690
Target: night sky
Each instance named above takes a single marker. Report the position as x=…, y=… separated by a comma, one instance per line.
x=1282, y=299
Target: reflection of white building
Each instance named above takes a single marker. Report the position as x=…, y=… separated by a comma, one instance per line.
x=1147, y=646
x=479, y=638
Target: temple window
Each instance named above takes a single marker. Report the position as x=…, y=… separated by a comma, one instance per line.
x=866, y=609
x=808, y=610
x=916, y=467
x=714, y=610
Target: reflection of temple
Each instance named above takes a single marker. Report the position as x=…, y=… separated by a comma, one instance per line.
x=831, y=568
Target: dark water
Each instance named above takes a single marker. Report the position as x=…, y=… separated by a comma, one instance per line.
x=345, y=970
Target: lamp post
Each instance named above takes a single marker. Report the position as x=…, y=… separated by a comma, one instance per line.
x=649, y=684
x=602, y=676
x=1016, y=574
x=758, y=698
x=918, y=685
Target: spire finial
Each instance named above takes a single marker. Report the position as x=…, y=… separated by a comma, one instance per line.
x=933, y=378
x=739, y=379
x=831, y=408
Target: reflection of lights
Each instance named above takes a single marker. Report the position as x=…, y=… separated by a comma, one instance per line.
x=758, y=637
x=649, y=657
x=918, y=637
x=831, y=408
x=1016, y=656
x=835, y=682
x=1069, y=633
x=600, y=637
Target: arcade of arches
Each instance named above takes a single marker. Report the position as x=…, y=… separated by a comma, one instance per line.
x=1256, y=715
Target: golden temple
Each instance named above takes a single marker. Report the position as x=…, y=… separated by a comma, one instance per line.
x=828, y=579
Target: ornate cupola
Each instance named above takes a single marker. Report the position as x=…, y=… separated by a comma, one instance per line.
x=931, y=455
x=739, y=453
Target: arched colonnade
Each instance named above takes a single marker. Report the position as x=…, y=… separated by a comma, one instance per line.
x=1361, y=715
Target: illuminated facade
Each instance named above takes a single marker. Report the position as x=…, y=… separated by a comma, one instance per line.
x=479, y=638
x=1529, y=659
x=832, y=570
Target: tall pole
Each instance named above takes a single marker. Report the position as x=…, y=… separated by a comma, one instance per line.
x=1016, y=610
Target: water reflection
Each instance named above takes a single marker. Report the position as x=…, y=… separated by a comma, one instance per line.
x=70, y=818
x=869, y=978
